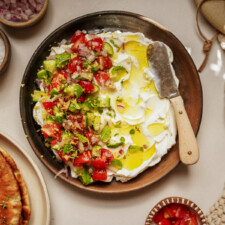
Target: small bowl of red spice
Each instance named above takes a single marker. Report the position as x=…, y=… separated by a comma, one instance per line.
x=176, y=211
x=22, y=13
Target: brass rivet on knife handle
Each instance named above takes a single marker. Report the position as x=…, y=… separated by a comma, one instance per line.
x=188, y=147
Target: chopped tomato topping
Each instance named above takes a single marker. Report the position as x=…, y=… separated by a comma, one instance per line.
x=77, y=117
x=104, y=62
x=182, y=212
x=76, y=64
x=165, y=222
x=106, y=155
x=87, y=86
x=81, y=98
x=89, y=135
x=99, y=163
x=158, y=216
x=85, y=157
x=101, y=77
x=96, y=44
x=51, y=130
x=99, y=174
x=57, y=80
x=168, y=213
x=64, y=157
x=48, y=107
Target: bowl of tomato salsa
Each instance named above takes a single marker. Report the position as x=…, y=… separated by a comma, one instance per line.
x=176, y=211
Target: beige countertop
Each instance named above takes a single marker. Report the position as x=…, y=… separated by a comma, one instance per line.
x=202, y=183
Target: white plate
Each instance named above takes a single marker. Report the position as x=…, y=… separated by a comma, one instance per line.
x=39, y=198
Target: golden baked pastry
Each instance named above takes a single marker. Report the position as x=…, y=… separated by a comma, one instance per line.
x=14, y=199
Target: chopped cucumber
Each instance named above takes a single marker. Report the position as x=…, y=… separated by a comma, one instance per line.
x=54, y=92
x=96, y=88
x=117, y=73
x=69, y=91
x=67, y=149
x=82, y=138
x=105, y=134
x=86, y=178
x=58, y=113
x=78, y=90
x=37, y=95
x=67, y=137
x=50, y=65
x=104, y=102
x=94, y=67
x=74, y=106
x=97, y=123
x=117, y=163
x=108, y=48
x=135, y=148
x=62, y=59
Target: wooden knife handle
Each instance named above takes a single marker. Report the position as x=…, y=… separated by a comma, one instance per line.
x=188, y=146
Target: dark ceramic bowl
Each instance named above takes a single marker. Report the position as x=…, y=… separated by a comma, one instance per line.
x=190, y=89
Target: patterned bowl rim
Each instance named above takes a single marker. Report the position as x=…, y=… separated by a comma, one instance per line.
x=180, y=200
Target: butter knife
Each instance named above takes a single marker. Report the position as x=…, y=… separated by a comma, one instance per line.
x=166, y=86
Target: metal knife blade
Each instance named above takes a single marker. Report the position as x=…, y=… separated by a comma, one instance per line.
x=160, y=65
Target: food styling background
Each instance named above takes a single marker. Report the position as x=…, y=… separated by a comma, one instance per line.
x=202, y=183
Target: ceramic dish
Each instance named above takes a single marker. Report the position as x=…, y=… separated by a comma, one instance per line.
x=191, y=205
x=6, y=59
x=190, y=89
x=30, y=22
x=214, y=12
x=39, y=199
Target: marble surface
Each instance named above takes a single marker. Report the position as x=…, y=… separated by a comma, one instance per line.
x=202, y=182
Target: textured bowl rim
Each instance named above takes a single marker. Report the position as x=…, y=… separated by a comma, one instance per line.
x=7, y=56
x=29, y=22
x=179, y=200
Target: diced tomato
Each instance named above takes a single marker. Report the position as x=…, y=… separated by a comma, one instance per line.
x=64, y=157
x=85, y=157
x=177, y=222
x=81, y=98
x=57, y=80
x=190, y=220
x=106, y=155
x=101, y=77
x=48, y=107
x=99, y=163
x=96, y=44
x=76, y=64
x=99, y=174
x=89, y=135
x=51, y=130
x=165, y=222
x=54, y=141
x=78, y=117
x=168, y=213
x=76, y=34
x=158, y=216
x=87, y=86
x=79, y=40
x=104, y=62
x=182, y=212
